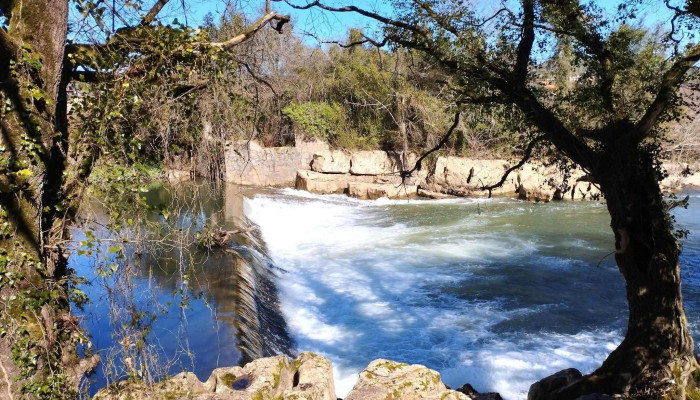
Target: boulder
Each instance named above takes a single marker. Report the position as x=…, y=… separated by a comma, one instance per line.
x=316, y=182
x=186, y=382
x=177, y=175
x=540, y=390
x=182, y=385
x=536, y=182
x=271, y=375
x=313, y=378
x=373, y=162
x=536, y=193
x=308, y=377
x=465, y=176
x=331, y=162
x=383, y=379
x=474, y=395
x=372, y=191
x=675, y=173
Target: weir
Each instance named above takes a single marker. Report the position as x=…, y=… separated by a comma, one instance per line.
x=261, y=328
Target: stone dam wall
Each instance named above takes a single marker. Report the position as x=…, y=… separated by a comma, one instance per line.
x=314, y=167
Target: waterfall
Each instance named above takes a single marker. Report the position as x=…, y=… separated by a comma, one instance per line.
x=261, y=328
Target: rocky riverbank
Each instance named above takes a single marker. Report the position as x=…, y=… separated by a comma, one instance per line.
x=314, y=167
x=310, y=377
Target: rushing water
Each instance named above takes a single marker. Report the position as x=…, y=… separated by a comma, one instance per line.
x=497, y=293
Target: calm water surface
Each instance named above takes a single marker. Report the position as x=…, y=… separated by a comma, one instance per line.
x=497, y=293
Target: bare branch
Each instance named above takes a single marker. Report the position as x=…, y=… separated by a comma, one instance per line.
x=548, y=123
x=252, y=30
x=496, y=14
x=419, y=163
x=366, y=13
x=365, y=40
x=123, y=42
x=153, y=12
x=259, y=79
x=526, y=156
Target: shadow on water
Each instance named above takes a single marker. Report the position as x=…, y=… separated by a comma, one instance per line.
x=171, y=305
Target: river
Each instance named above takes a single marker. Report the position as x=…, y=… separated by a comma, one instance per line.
x=494, y=292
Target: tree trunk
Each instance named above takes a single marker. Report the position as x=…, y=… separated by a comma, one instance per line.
x=655, y=358
x=37, y=351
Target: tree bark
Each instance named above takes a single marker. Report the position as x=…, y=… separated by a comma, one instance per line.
x=655, y=358
x=33, y=135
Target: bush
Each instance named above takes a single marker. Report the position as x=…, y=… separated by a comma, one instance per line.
x=321, y=120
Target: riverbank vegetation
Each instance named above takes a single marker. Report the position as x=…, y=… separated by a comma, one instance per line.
x=279, y=88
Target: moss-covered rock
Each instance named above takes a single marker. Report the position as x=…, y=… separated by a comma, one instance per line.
x=385, y=379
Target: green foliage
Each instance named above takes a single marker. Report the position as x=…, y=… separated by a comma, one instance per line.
x=320, y=120
x=134, y=174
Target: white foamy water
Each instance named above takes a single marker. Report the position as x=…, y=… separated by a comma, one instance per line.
x=494, y=293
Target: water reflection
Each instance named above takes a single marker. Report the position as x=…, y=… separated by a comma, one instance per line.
x=171, y=305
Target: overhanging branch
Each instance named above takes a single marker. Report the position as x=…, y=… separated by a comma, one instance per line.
x=419, y=163
x=670, y=83
x=250, y=31
x=386, y=20
x=526, y=156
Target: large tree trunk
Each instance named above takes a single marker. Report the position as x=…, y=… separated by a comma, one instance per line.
x=656, y=356
x=37, y=350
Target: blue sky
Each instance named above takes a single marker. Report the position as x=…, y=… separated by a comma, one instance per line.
x=335, y=25
x=325, y=25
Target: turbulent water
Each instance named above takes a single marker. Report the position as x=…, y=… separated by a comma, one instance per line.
x=497, y=293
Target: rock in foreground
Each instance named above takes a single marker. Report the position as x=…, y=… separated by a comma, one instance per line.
x=542, y=389
x=384, y=379
x=308, y=377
